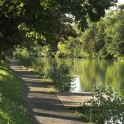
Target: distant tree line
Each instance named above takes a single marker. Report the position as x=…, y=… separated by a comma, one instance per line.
x=103, y=39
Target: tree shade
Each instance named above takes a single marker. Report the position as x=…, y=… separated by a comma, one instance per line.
x=47, y=21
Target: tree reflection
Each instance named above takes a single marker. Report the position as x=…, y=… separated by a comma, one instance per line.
x=92, y=73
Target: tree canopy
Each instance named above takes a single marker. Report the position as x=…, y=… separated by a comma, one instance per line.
x=47, y=21
x=102, y=39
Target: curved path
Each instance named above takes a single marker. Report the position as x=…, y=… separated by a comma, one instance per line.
x=45, y=106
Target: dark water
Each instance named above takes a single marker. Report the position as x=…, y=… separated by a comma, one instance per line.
x=92, y=73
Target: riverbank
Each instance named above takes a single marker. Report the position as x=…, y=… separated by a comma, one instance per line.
x=45, y=106
x=13, y=108
x=91, y=73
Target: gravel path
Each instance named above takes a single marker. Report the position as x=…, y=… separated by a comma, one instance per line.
x=45, y=106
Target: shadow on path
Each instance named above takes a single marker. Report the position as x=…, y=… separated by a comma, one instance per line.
x=45, y=107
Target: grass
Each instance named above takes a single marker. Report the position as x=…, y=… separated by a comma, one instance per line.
x=13, y=109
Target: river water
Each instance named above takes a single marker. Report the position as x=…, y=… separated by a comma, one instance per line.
x=92, y=73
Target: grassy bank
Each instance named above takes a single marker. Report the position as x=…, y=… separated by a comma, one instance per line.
x=13, y=109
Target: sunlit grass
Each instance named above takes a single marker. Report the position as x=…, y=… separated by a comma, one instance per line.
x=13, y=109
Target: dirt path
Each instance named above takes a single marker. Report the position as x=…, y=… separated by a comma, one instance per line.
x=45, y=106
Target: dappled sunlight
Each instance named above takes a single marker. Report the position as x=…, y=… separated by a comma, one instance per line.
x=12, y=98
x=43, y=101
x=5, y=75
x=30, y=76
x=4, y=71
x=30, y=79
x=41, y=89
x=17, y=68
x=71, y=100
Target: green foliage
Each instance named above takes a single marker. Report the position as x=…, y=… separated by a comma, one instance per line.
x=31, y=59
x=38, y=67
x=105, y=38
x=13, y=109
x=61, y=77
x=25, y=59
x=45, y=21
x=23, y=55
x=106, y=107
x=114, y=29
x=70, y=48
x=93, y=40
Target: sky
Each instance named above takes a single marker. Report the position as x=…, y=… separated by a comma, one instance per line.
x=121, y=1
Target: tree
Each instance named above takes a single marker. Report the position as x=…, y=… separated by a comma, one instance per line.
x=93, y=39
x=69, y=48
x=105, y=38
x=48, y=21
x=114, y=29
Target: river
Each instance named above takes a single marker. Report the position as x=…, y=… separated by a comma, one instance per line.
x=92, y=73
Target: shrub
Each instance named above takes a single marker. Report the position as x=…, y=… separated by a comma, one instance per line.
x=107, y=107
x=24, y=56
x=38, y=67
x=61, y=77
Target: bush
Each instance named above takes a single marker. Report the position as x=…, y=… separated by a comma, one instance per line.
x=61, y=77
x=38, y=68
x=107, y=107
x=23, y=55
x=26, y=61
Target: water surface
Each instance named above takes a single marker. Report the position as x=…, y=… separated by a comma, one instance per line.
x=92, y=73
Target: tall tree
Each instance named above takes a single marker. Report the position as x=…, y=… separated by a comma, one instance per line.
x=114, y=29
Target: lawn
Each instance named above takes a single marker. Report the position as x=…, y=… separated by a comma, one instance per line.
x=13, y=109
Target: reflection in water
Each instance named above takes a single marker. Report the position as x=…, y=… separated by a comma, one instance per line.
x=92, y=73
x=76, y=84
